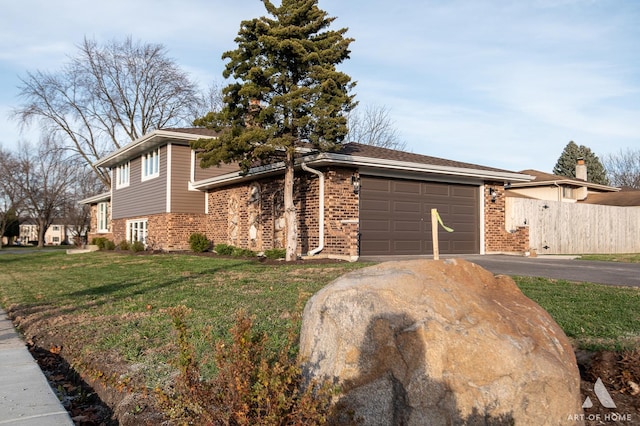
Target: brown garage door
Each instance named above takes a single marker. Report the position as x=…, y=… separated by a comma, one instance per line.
x=395, y=217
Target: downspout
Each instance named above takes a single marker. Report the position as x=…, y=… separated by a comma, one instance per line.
x=321, y=210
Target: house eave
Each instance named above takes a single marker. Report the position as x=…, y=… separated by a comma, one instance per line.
x=566, y=182
x=146, y=143
x=327, y=158
x=105, y=196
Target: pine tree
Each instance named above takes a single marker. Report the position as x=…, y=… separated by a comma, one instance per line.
x=566, y=164
x=286, y=93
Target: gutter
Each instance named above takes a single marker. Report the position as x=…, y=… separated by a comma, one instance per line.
x=320, y=208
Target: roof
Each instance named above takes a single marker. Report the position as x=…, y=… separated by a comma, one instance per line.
x=370, y=151
x=372, y=159
x=624, y=198
x=153, y=140
x=547, y=179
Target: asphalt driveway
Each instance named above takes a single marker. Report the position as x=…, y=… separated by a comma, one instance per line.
x=612, y=273
x=555, y=267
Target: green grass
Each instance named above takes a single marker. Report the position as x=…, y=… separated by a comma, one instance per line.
x=626, y=258
x=114, y=305
x=117, y=303
x=594, y=316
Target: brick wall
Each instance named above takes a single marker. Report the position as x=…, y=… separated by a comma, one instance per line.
x=230, y=213
x=497, y=238
x=167, y=231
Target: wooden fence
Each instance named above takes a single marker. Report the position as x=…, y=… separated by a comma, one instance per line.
x=569, y=228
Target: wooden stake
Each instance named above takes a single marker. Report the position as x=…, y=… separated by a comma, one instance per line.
x=434, y=234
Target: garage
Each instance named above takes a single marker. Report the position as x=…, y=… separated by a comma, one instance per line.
x=395, y=217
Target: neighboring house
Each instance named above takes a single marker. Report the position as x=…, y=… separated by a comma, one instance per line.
x=573, y=216
x=550, y=187
x=57, y=233
x=358, y=201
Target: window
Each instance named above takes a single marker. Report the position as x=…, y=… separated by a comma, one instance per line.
x=122, y=175
x=103, y=217
x=567, y=192
x=137, y=230
x=151, y=164
x=55, y=228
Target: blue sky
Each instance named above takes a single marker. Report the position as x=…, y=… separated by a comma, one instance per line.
x=494, y=82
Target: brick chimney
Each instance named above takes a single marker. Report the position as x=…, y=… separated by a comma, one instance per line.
x=581, y=170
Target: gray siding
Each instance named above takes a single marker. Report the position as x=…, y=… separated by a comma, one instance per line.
x=214, y=171
x=141, y=198
x=182, y=199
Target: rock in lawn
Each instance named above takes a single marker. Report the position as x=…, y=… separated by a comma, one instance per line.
x=436, y=343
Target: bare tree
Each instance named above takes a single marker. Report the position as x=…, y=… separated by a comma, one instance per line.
x=374, y=126
x=77, y=217
x=623, y=168
x=43, y=176
x=107, y=96
x=214, y=100
x=10, y=195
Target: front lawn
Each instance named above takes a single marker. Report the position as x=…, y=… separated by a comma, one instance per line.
x=117, y=303
x=626, y=258
x=109, y=314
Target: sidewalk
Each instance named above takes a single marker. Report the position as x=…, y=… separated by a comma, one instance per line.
x=26, y=399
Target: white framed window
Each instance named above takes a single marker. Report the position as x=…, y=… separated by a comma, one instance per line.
x=103, y=217
x=568, y=192
x=122, y=175
x=137, y=230
x=151, y=164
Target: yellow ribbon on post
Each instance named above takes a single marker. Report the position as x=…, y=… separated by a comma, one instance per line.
x=445, y=227
x=435, y=219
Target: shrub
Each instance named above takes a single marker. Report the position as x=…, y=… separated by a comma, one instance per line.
x=137, y=246
x=276, y=253
x=124, y=245
x=223, y=249
x=240, y=252
x=99, y=241
x=109, y=245
x=253, y=385
x=199, y=242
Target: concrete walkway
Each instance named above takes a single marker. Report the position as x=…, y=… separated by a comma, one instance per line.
x=26, y=399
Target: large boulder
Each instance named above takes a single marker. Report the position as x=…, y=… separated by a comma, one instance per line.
x=439, y=343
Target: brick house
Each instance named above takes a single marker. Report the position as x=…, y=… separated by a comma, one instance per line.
x=358, y=201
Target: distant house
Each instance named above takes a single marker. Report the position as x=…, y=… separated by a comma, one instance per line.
x=574, y=216
x=358, y=201
x=545, y=186
x=58, y=233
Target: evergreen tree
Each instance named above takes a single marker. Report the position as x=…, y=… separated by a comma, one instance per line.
x=566, y=165
x=286, y=93
x=12, y=225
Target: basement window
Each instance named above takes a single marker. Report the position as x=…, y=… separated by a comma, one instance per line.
x=137, y=230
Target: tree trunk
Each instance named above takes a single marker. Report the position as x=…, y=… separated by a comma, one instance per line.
x=42, y=230
x=290, y=218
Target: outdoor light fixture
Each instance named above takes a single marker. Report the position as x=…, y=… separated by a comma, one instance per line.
x=494, y=194
x=355, y=181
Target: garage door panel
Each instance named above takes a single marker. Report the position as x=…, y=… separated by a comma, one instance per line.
x=435, y=189
x=407, y=207
x=407, y=226
x=374, y=206
x=406, y=187
x=463, y=191
x=408, y=247
x=373, y=225
x=395, y=217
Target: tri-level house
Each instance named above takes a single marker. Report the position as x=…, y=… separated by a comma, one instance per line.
x=358, y=201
